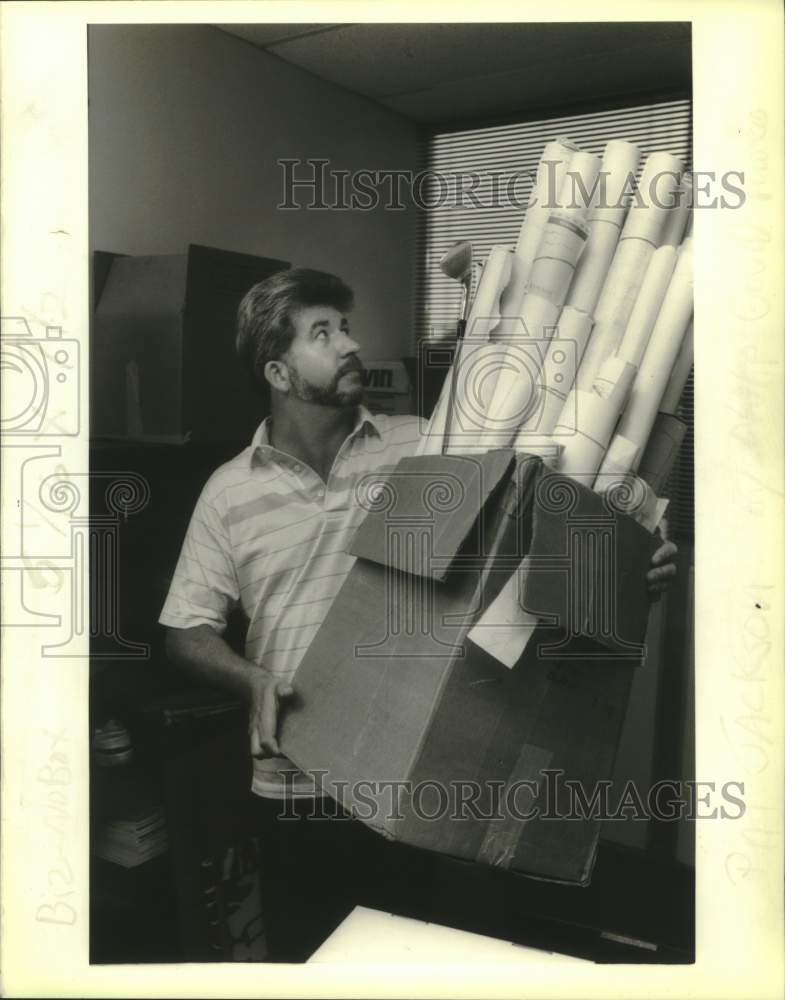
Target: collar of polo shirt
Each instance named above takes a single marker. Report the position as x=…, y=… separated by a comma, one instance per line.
x=260, y=443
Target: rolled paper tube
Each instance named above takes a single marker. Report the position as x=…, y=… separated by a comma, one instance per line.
x=678, y=216
x=589, y=416
x=483, y=315
x=616, y=180
x=579, y=187
x=580, y=458
x=537, y=317
x=544, y=197
x=614, y=380
x=544, y=446
x=656, y=194
x=592, y=266
x=485, y=311
x=688, y=227
x=679, y=374
x=661, y=353
x=615, y=467
x=617, y=300
x=557, y=375
x=515, y=394
x=659, y=458
x=478, y=371
x=562, y=243
x=511, y=301
x=647, y=305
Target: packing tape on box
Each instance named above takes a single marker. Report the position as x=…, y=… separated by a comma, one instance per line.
x=517, y=798
x=544, y=197
x=661, y=353
x=620, y=161
x=679, y=374
x=558, y=372
x=659, y=457
x=647, y=305
x=657, y=189
x=615, y=306
x=677, y=218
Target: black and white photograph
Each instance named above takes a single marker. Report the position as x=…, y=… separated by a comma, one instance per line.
x=365, y=514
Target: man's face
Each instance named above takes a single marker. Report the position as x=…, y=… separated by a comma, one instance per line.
x=322, y=361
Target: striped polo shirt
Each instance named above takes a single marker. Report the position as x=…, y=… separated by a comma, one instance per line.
x=268, y=535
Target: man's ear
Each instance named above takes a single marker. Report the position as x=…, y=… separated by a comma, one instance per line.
x=277, y=374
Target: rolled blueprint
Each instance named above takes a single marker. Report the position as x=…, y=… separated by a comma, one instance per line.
x=619, y=162
x=657, y=194
x=616, y=303
x=660, y=455
x=678, y=216
x=548, y=270
x=485, y=310
x=605, y=218
x=516, y=391
x=544, y=197
x=537, y=317
x=679, y=374
x=557, y=375
x=483, y=315
x=474, y=388
x=647, y=305
x=616, y=465
x=589, y=419
x=661, y=353
x=614, y=381
x=562, y=243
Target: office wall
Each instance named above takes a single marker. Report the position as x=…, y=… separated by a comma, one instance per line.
x=186, y=126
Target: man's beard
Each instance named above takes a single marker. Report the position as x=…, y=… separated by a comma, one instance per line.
x=327, y=395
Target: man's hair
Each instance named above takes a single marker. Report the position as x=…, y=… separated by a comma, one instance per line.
x=265, y=327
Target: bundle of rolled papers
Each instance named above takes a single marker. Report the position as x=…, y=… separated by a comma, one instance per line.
x=578, y=343
x=579, y=340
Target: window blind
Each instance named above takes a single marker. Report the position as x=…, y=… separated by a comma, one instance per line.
x=479, y=182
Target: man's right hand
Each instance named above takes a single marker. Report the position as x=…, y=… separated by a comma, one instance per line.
x=266, y=695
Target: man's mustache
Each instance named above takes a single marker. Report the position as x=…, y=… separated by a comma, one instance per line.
x=353, y=365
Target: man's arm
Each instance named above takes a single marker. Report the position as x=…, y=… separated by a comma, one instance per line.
x=205, y=655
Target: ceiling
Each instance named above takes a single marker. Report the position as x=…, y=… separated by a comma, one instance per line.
x=453, y=73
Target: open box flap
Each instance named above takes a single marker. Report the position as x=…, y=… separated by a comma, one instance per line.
x=587, y=567
x=422, y=512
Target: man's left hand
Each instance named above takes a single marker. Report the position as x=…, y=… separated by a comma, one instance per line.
x=660, y=577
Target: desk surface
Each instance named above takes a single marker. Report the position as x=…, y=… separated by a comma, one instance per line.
x=371, y=936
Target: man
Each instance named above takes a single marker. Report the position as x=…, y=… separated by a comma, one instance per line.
x=269, y=535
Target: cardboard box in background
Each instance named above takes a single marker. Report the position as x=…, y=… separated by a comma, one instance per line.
x=392, y=690
x=164, y=367
x=389, y=387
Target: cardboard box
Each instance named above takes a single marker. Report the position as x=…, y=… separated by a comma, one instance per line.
x=391, y=689
x=164, y=367
x=388, y=387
